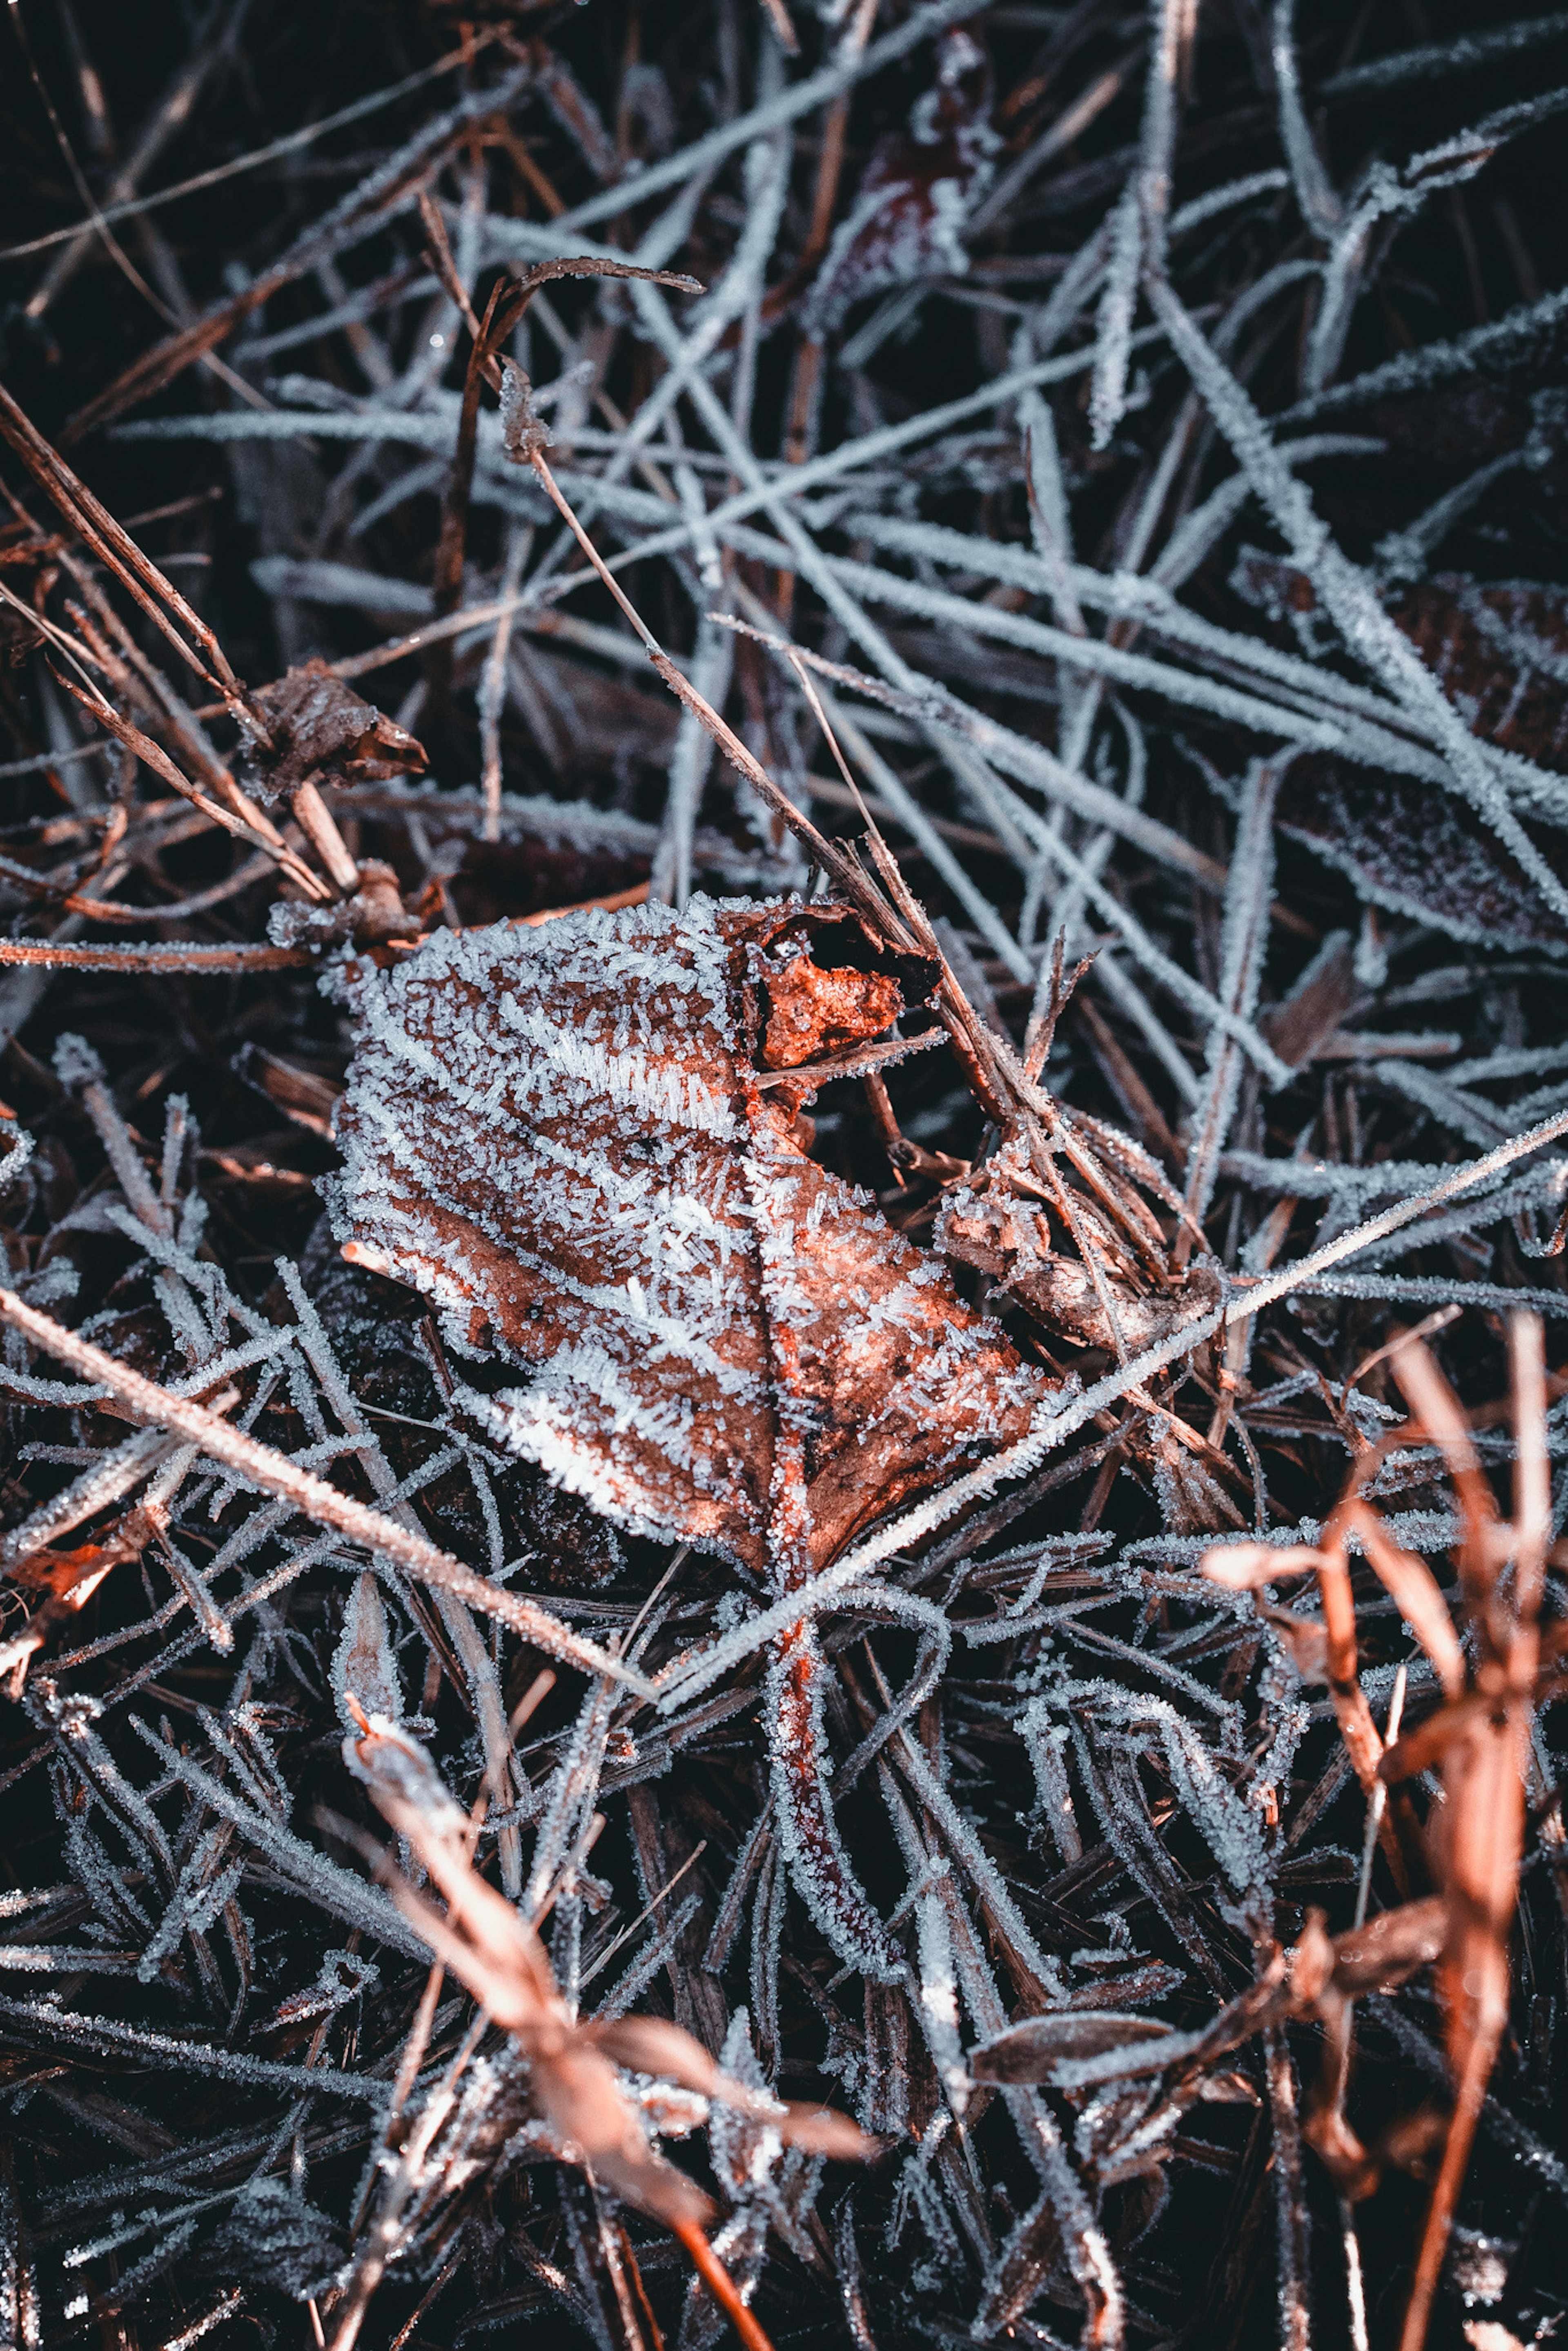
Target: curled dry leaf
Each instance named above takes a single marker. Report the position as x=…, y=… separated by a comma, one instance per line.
x=1496, y=649
x=1097, y=1289
x=1321, y=1970
x=1478, y=1739
x=322, y=730
x=562, y=1136
x=812, y=1012
x=1409, y=847
x=488, y=1944
x=1031, y=2051
x=557, y=1134
x=1498, y=652
x=67, y=1580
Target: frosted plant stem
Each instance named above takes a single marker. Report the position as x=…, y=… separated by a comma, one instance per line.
x=1290, y=2197
x=1067, y=910
x=1139, y=224
x=802, y=97
x=689, y=764
x=478, y=1666
x=891, y=787
x=741, y=286
x=1161, y=968
x=1172, y=26
x=526, y=241
x=1122, y=595
x=107, y=1481
x=1354, y=2282
x=810, y=562
x=1246, y=934
x=1130, y=999
x=1321, y=207
x=812, y=566
x=1113, y=325
x=1338, y=729
x=492, y=680
x=1067, y=2204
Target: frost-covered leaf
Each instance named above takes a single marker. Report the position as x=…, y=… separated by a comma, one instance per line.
x=277, y=2239
x=1032, y=2050
x=559, y=1135
x=1499, y=651
x=492, y=1946
x=1500, y=654
x=907, y=220
x=1452, y=430
x=999, y=1222
x=364, y=1666
x=1412, y=848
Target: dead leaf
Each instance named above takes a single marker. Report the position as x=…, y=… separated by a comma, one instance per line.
x=1480, y=1740
x=323, y=731
x=557, y=1134
x=906, y=222
x=1030, y=2051
x=1499, y=650
x=496, y=1951
x=812, y=1012
x=1326, y=991
x=1500, y=654
x=1122, y=1305
x=1412, y=848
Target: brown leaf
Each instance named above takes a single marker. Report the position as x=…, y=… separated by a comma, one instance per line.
x=496, y=1951
x=558, y=1135
x=1411, y=1583
x=1499, y=654
x=812, y=1012
x=1319, y=1001
x=991, y=1224
x=1394, y=1944
x=1305, y=1639
x=1032, y=2050
x=1414, y=849
x=1498, y=651
x=647, y=2044
x=322, y=729
x=492, y=1950
x=71, y=1576
x=906, y=221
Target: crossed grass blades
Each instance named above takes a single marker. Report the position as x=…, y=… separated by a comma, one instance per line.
x=789, y=1376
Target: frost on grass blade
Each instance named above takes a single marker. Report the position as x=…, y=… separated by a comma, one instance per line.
x=558, y=1135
